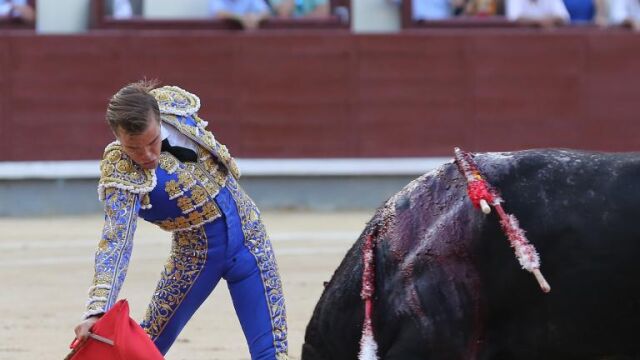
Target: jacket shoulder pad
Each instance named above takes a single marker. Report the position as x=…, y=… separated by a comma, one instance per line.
x=176, y=101
x=119, y=171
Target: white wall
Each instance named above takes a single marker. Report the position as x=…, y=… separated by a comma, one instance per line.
x=375, y=16
x=175, y=9
x=62, y=16
x=72, y=16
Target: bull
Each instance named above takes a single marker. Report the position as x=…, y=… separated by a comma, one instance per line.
x=447, y=285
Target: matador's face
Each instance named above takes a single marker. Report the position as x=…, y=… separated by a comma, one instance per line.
x=144, y=148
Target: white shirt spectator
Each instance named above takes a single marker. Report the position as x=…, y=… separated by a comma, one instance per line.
x=431, y=9
x=122, y=9
x=623, y=10
x=536, y=9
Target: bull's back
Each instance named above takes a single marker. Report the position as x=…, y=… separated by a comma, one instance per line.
x=449, y=286
x=579, y=209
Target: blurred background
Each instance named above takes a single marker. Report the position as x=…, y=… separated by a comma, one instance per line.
x=330, y=107
x=328, y=104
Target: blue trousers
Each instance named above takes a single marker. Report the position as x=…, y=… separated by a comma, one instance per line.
x=199, y=259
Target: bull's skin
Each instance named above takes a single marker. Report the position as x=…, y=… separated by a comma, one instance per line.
x=448, y=285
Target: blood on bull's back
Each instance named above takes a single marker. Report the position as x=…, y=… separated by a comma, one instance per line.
x=447, y=284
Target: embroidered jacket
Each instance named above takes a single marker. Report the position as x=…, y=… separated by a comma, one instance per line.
x=175, y=196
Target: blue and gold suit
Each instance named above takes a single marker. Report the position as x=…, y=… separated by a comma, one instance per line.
x=217, y=233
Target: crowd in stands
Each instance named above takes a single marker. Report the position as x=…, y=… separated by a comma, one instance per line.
x=248, y=12
x=17, y=11
x=546, y=13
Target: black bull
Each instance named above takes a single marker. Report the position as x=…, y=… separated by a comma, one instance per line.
x=448, y=285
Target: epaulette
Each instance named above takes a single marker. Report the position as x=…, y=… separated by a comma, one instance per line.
x=119, y=171
x=176, y=101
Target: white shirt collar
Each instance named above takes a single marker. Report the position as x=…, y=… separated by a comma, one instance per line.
x=163, y=132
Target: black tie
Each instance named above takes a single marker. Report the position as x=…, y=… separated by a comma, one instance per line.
x=181, y=153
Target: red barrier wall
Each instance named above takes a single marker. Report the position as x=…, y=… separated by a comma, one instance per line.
x=332, y=94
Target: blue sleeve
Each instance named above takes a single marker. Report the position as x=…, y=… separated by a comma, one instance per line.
x=114, y=250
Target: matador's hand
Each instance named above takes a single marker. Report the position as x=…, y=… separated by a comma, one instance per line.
x=82, y=329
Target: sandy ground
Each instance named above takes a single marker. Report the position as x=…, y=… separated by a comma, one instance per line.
x=46, y=267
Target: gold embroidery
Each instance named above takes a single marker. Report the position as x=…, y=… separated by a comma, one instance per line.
x=173, y=189
x=209, y=140
x=195, y=218
x=168, y=163
x=211, y=165
x=166, y=224
x=196, y=187
x=199, y=195
x=145, y=202
x=177, y=101
x=117, y=170
x=187, y=259
x=181, y=222
x=221, y=178
x=185, y=204
x=224, y=152
x=171, y=265
x=210, y=210
x=194, y=190
x=102, y=245
x=201, y=123
x=203, y=154
x=198, y=173
x=191, y=130
x=124, y=166
x=113, y=156
x=100, y=292
x=186, y=180
x=258, y=243
x=233, y=168
x=114, y=249
x=106, y=168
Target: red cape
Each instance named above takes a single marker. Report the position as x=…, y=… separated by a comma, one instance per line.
x=130, y=342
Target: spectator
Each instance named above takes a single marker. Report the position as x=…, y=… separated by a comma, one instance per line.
x=248, y=12
x=581, y=11
x=479, y=7
x=122, y=9
x=17, y=10
x=316, y=9
x=432, y=10
x=622, y=12
x=545, y=13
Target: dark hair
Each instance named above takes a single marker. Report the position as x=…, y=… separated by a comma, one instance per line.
x=129, y=108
